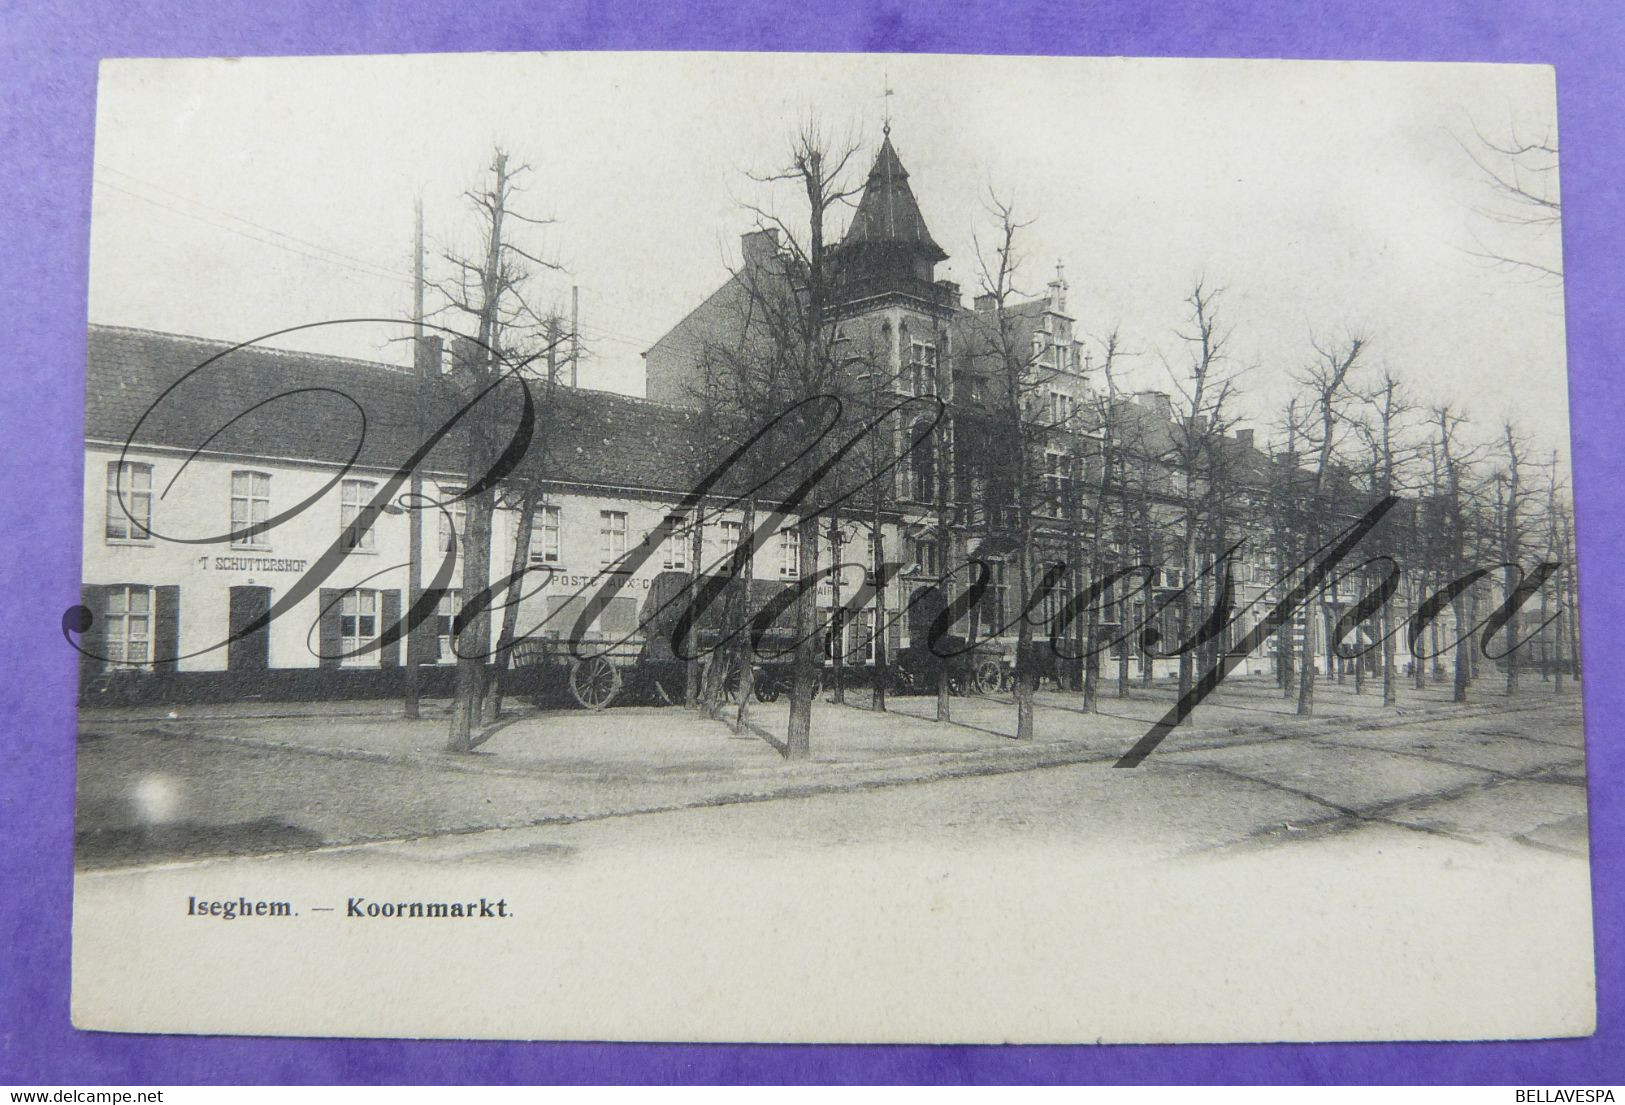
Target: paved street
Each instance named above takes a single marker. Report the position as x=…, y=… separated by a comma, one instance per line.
x=1245, y=773
x=915, y=882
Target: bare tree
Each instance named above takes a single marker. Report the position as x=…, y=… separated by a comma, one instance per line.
x=1108, y=464
x=784, y=359
x=1329, y=393
x=1206, y=386
x=997, y=331
x=1524, y=206
x=489, y=290
x=1451, y=492
x=523, y=496
x=1514, y=493
x=1556, y=545
x=1388, y=406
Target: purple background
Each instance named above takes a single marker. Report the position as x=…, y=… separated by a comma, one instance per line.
x=48, y=57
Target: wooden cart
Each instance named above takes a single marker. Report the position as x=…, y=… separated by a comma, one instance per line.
x=547, y=668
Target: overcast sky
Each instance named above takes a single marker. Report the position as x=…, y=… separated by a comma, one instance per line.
x=238, y=197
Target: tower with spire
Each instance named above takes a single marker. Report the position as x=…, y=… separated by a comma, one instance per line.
x=887, y=253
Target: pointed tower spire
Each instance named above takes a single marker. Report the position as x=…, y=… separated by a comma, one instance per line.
x=888, y=217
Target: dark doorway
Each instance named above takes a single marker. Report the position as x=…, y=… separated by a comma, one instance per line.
x=253, y=652
x=925, y=604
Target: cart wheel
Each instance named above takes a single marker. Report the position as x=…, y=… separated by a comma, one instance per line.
x=767, y=688
x=986, y=679
x=595, y=682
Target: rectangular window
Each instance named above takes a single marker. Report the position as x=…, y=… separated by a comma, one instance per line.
x=789, y=553
x=129, y=501
x=452, y=528
x=922, y=368
x=919, y=467
x=925, y=557
x=354, y=495
x=1058, y=484
x=445, y=625
x=732, y=534
x=129, y=628
x=996, y=598
x=544, y=542
x=862, y=647
x=1055, y=601
x=1062, y=408
x=250, y=507
x=675, y=554
x=612, y=536
x=358, y=627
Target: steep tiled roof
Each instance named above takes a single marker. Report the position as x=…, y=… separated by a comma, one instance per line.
x=282, y=404
x=327, y=404
x=597, y=437
x=888, y=213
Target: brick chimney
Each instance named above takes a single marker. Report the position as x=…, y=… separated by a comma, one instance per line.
x=1244, y=438
x=466, y=354
x=759, y=246
x=1157, y=401
x=985, y=302
x=430, y=352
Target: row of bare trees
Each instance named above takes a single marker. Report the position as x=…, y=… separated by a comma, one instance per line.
x=1177, y=487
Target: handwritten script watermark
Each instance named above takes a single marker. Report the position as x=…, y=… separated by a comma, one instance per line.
x=786, y=487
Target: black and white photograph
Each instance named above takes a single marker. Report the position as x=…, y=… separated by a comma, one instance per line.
x=828, y=548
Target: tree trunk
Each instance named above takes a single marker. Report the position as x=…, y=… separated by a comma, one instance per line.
x=1091, y=657
x=1512, y=636
x=510, y=608
x=1418, y=665
x=1573, y=623
x=809, y=653
x=837, y=622
x=746, y=667
x=1390, y=684
x=474, y=640
x=1306, y=669
x=1027, y=673
x=693, y=669
x=1573, y=611
x=877, y=626
x=1557, y=651
x=1464, y=652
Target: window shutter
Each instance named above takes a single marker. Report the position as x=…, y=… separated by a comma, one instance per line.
x=166, y=628
x=329, y=641
x=389, y=629
x=94, y=639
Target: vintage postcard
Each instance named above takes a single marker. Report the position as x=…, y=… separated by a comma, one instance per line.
x=743, y=547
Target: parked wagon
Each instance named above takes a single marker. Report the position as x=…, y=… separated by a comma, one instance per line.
x=591, y=671
x=980, y=670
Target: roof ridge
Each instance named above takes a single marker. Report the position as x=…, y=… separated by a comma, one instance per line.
x=253, y=344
